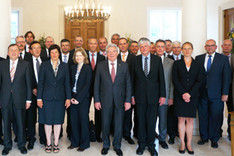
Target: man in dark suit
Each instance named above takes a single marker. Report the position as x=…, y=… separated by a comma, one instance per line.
x=1, y=133
x=20, y=41
x=112, y=94
x=48, y=42
x=172, y=121
x=78, y=42
x=95, y=58
x=102, y=43
x=216, y=76
x=15, y=96
x=160, y=47
x=67, y=57
x=115, y=39
x=125, y=56
x=168, y=48
x=148, y=92
x=29, y=38
x=31, y=113
x=133, y=48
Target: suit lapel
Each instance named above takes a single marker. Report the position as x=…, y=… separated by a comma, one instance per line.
x=118, y=70
x=51, y=69
x=214, y=62
x=151, y=65
x=140, y=65
x=18, y=67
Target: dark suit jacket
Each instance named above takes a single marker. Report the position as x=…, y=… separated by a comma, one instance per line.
x=130, y=60
x=186, y=81
x=100, y=58
x=217, y=81
x=44, y=54
x=70, y=59
x=34, y=81
x=107, y=92
x=83, y=83
x=53, y=88
x=148, y=89
x=20, y=88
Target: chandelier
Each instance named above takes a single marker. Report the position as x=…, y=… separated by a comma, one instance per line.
x=87, y=11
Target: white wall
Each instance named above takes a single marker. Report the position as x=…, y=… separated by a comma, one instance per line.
x=127, y=16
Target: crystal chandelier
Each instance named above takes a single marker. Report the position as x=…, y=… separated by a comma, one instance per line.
x=87, y=11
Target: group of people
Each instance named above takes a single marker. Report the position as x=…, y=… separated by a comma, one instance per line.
x=164, y=81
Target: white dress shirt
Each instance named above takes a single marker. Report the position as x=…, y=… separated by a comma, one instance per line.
x=94, y=57
x=126, y=55
x=63, y=57
x=110, y=66
x=35, y=66
x=175, y=56
x=206, y=60
x=22, y=54
x=162, y=57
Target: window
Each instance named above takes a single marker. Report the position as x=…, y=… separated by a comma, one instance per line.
x=14, y=25
x=165, y=24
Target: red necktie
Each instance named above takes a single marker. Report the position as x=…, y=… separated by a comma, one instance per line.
x=93, y=62
x=177, y=58
x=113, y=72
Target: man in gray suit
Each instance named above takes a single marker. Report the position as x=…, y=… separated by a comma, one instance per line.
x=112, y=94
x=162, y=109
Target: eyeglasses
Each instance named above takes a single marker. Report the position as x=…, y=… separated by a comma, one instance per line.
x=208, y=46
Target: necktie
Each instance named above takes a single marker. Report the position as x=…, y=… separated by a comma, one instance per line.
x=146, y=66
x=113, y=72
x=123, y=57
x=209, y=63
x=93, y=62
x=20, y=58
x=65, y=58
x=37, y=67
x=12, y=71
x=177, y=58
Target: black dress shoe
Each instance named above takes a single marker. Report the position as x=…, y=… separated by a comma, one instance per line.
x=104, y=151
x=70, y=147
x=163, y=144
x=15, y=140
x=80, y=149
x=181, y=151
x=99, y=139
x=129, y=140
x=171, y=141
x=5, y=151
x=140, y=150
x=30, y=146
x=23, y=150
x=118, y=152
x=202, y=142
x=190, y=152
x=153, y=152
x=214, y=145
x=156, y=135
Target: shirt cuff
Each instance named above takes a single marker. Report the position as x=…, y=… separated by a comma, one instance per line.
x=39, y=99
x=29, y=101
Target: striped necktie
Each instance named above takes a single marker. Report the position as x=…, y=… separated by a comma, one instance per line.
x=12, y=71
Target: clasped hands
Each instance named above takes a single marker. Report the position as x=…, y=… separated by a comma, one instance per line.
x=67, y=103
x=186, y=97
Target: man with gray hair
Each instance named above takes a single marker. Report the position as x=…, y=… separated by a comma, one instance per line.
x=48, y=42
x=176, y=49
x=112, y=94
x=148, y=93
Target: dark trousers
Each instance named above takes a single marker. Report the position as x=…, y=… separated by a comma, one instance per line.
x=107, y=114
x=80, y=125
x=210, y=113
x=1, y=133
x=9, y=115
x=127, y=123
x=146, y=116
x=31, y=115
x=172, y=122
x=68, y=129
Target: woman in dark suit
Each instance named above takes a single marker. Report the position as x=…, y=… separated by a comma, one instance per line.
x=81, y=77
x=53, y=96
x=187, y=79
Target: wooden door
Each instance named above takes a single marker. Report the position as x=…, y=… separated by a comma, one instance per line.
x=228, y=21
x=86, y=30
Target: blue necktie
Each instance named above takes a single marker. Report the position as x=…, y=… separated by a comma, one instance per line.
x=209, y=63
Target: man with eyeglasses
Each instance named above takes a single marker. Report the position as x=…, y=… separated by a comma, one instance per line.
x=216, y=78
x=20, y=41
